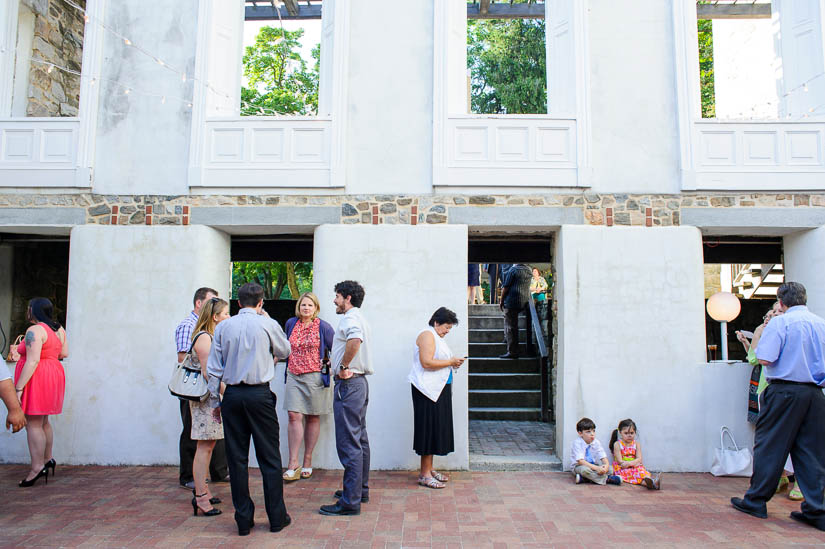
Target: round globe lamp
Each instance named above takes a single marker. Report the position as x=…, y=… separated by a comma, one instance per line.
x=723, y=307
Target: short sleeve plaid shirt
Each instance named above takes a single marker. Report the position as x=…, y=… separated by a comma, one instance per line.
x=183, y=333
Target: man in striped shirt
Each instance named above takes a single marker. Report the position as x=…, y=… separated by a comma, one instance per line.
x=187, y=446
x=515, y=299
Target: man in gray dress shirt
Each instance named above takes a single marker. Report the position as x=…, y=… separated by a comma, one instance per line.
x=351, y=363
x=243, y=356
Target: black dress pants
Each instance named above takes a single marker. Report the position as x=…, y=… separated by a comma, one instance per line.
x=791, y=420
x=187, y=448
x=250, y=411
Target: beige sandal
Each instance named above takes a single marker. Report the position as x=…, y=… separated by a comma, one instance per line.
x=292, y=475
x=430, y=482
x=439, y=477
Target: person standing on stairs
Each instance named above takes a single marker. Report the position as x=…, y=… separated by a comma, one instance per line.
x=515, y=299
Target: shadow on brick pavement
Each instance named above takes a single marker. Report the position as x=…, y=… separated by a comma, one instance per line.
x=144, y=507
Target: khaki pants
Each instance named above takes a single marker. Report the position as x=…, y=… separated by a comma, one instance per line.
x=590, y=474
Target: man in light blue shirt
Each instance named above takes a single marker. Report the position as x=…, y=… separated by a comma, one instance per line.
x=244, y=351
x=792, y=412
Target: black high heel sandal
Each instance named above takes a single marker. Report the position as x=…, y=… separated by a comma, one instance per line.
x=51, y=464
x=211, y=513
x=213, y=501
x=28, y=483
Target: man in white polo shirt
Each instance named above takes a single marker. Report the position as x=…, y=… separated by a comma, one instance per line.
x=351, y=364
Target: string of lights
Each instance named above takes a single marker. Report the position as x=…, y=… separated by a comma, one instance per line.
x=248, y=107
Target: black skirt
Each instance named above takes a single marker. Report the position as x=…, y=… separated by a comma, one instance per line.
x=433, y=423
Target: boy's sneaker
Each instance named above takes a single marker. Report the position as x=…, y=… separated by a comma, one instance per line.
x=614, y=479
x=578, y=478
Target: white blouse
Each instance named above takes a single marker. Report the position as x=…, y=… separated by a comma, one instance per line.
x=431, y=382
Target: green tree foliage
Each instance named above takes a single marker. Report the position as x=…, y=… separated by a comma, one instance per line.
x=507, y=62
x=280, y=280
x=279, y=78
x=705, y=29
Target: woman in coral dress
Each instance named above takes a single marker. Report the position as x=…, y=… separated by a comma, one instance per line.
x=40, y=384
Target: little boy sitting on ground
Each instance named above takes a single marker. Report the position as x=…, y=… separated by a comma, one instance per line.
x=589, y=460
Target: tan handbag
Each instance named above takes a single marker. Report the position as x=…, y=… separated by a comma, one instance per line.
x=13, y=355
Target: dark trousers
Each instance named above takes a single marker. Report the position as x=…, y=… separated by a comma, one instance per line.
x=249, y=410
x=187, y=448
x=791, y=420
x=511, y=329
x=350, y=409
x=492, y=270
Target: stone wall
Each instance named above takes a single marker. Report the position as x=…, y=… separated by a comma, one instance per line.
x=58, y=39
x=598, y=209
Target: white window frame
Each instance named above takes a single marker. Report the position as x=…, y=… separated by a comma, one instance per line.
x=47, y=152
x=739, y=155
x=510, y=151
x=233, y=153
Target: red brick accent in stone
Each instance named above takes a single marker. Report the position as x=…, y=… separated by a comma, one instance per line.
x=375, y=215
x=609, y=217
x=648, y=217
x=186, y=210
x=148, y=214
x=414, y=215
x=114, y=219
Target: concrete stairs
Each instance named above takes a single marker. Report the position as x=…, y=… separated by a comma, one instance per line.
x=500, y=389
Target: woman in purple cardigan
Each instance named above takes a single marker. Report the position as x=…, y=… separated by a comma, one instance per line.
x=308, y=391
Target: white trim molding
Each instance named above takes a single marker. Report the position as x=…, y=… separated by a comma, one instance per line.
x=759, y=155
x=53, y=151
x=263, y=152
x=38, y=152
x=738, y=155
x=510, y=151
x=233, y=152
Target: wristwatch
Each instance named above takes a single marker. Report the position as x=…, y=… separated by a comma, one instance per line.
x=344, y=367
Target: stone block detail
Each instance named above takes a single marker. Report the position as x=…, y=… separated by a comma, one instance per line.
x=597, y=209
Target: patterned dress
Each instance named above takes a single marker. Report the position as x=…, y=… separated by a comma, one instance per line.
x=631, y=475
x=204, y=425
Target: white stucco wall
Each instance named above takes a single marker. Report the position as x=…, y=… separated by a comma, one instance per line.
x=390, y=111
x=631, y=344
x=635, y=146
x=407, y=272
x=142, y=145
x=128, y=289
x=804, y=261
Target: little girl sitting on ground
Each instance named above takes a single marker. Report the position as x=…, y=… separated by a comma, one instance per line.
x=627, y=456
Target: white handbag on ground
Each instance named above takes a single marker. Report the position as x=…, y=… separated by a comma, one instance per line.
x=731, y=462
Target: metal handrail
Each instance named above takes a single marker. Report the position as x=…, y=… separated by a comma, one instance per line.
x=537, y=330
x=544, y=368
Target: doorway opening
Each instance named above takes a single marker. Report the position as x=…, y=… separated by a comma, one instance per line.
x=30, y=266
x=510, y=387
x=751, y=268
x=282, y=264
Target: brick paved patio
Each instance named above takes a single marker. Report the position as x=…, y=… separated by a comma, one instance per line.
x=143, y=506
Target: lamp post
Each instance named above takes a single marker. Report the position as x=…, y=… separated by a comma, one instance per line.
x=723, y=307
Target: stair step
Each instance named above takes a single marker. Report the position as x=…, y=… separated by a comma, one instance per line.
x=505, y=414
x=490, y=350
x=504, y=398
x=504, y=365
x=521, y=462
x=492, y=322
x=481, y=310
x=498, y=381
x=491, y=335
